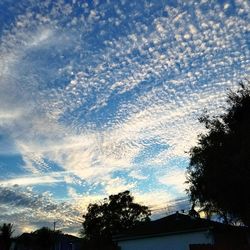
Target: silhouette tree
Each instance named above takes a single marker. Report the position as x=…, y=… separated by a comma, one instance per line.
x=44, y=238
x=6, y=231
x=113, y=215
x=219, y=170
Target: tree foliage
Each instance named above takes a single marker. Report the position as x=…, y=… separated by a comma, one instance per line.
x=6, y=231
x=45, y=238
x=113, y=215
x=41, y=239
x=219, y=170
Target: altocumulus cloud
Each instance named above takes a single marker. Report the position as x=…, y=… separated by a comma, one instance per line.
x=102, y=96
x=36, y=210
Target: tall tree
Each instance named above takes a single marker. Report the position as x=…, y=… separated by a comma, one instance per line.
x=41, y=239
x=45, y=238
x=219, y=170
x=6, y=231
x=113, y=215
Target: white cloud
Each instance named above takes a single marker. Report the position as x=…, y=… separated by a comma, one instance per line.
x=137, y=175
x=30, y=180
x=116, y=185
x=175, y=179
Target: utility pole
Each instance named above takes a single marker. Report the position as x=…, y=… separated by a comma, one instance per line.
x=54, y=225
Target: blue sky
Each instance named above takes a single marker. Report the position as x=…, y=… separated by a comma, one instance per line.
x=98, y=97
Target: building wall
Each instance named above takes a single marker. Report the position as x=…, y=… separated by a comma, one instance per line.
x=171, y=242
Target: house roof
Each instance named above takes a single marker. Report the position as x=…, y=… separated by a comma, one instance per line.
x=173, y=224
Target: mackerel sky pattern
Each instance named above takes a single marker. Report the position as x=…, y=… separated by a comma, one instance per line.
x=98, y=97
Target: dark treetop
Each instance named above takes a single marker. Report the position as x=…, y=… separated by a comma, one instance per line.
x=219, y=170
x=113, y=215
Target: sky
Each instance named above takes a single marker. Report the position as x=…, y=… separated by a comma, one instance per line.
x=99, y=97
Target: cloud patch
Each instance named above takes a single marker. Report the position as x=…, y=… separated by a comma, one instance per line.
x=88, y=89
